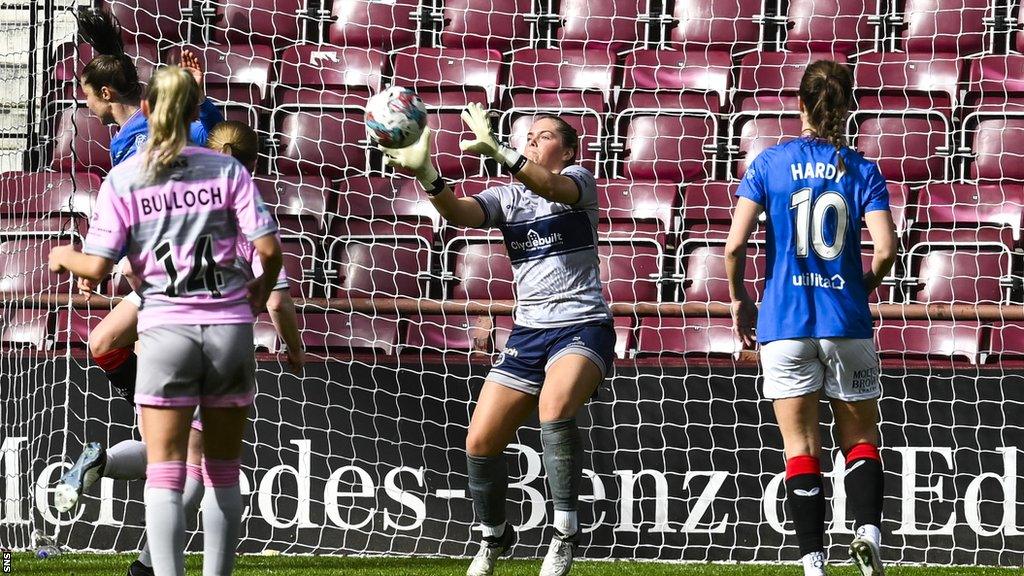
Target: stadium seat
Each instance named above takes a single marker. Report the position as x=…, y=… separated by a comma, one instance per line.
x=449, y=76
x=74, y=326
x=363, y=211
x=235, y=75
x=81, y=142
x=68, y=66
x=943, y=26
x=449, y=129
x=752, y=136
x=614, y=25
x=630, y=270
x=995, y=83
x=707, y=209
x=328, y=143
x=910, y=146
x=667, y=146
x=770, y=81
x=888, y=81
x=694, y=79
x=492, y=24
x=451, y=333
x=963, y=274
x=264, y=335
x=163, y=21
x=637, y=210
x=372, y=24
x=378, y=267
x=840, y=25
x=929, y=340
x=515, y=125
x=704, y=24
x=276, y=23
x=302, y=266
x=554, y=78
x=34, y=194
x=700, y=267
x=1006, y=340
x=952, y=213
x=996, y=148
x=339, y=332
x=478, y=270
x=25, y=327
x=299, y=203
x=24, y=271
x=328, y=75
x=687, y=337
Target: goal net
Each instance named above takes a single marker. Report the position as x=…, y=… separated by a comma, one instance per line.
x=402, y=315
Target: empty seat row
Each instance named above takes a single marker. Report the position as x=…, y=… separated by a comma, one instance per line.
x=936, y=26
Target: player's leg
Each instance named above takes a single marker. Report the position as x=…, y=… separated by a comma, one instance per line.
x=111, y=344
x=853, y=384
x=500, y=411
x=229, y=364
x=793, y=377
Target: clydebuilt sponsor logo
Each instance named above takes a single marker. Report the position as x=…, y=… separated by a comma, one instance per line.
x=815, y=280
x=402, y=498
x=534, y=241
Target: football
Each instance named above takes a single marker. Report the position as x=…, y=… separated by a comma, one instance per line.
x=395, y=118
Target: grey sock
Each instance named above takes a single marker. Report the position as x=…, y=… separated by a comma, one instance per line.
x=190, y=501
x=126, y=460
x=165, y=529
x=563, y=461
x=222, y=522
x=488, y=484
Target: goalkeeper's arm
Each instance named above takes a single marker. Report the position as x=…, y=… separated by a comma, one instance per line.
x=416, y=158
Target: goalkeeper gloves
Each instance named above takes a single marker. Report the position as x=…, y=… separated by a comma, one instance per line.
x=485, y=143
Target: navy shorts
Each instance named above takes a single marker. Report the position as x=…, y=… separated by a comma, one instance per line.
x=530, y=351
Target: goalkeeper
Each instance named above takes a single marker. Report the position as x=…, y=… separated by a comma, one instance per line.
x=562, y=345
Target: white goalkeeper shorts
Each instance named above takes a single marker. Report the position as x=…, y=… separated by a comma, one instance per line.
x=847, y=368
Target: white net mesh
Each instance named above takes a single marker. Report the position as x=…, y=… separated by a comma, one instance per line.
x=672, y=101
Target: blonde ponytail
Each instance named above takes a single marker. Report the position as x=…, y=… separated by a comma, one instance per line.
x=173, y=98
x=235, y=139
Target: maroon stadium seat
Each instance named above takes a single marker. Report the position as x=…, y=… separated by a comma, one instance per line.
x=761, y=132
x=702, y=269
x=479, y=271
x=299, y=203
x=449, y=130
x=887, y=81
x=328, y=143
x=630, y=270
x=328, y=75
x=23, y=268
x=454, y=332
x=74, y=326
x=944, y=26
x=963, y=275
x=494, y=24
x=841, y=25
x=770, y=81
x=636, y=210
x=439, y=74
x=687, y=336
x=613, y=24
x=152, y=20
x=997, y=148
x=554, y=78
x=25, y=327
x=666, y=78
x=81, y=142
x=707, y=209
x=348, y=332
x=668, y=147
x=996, y=83
x=1006, y=339
x=272, y=22
x=378, y=267
x=949, y=213
x=44, y=193
x=928, y=339
x=909, y=146
x=516, y=125
x=701, y=24
x=374, y=24
x=68, y=67
x=235, y=74
x=375, y=212
x=301, y=266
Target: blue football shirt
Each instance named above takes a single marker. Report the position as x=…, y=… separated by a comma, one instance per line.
x=815, y=278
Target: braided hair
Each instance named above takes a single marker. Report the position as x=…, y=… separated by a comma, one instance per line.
x=826, y=91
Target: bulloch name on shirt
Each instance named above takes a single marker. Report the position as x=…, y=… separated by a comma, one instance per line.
x=177, y=201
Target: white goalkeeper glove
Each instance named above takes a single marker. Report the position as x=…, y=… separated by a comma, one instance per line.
x=415, y=158
x=485, y=143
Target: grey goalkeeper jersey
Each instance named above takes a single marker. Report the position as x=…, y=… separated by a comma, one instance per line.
x=553, y=249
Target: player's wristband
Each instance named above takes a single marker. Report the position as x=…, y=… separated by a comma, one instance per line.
x=512, y=160
x=436, y=187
